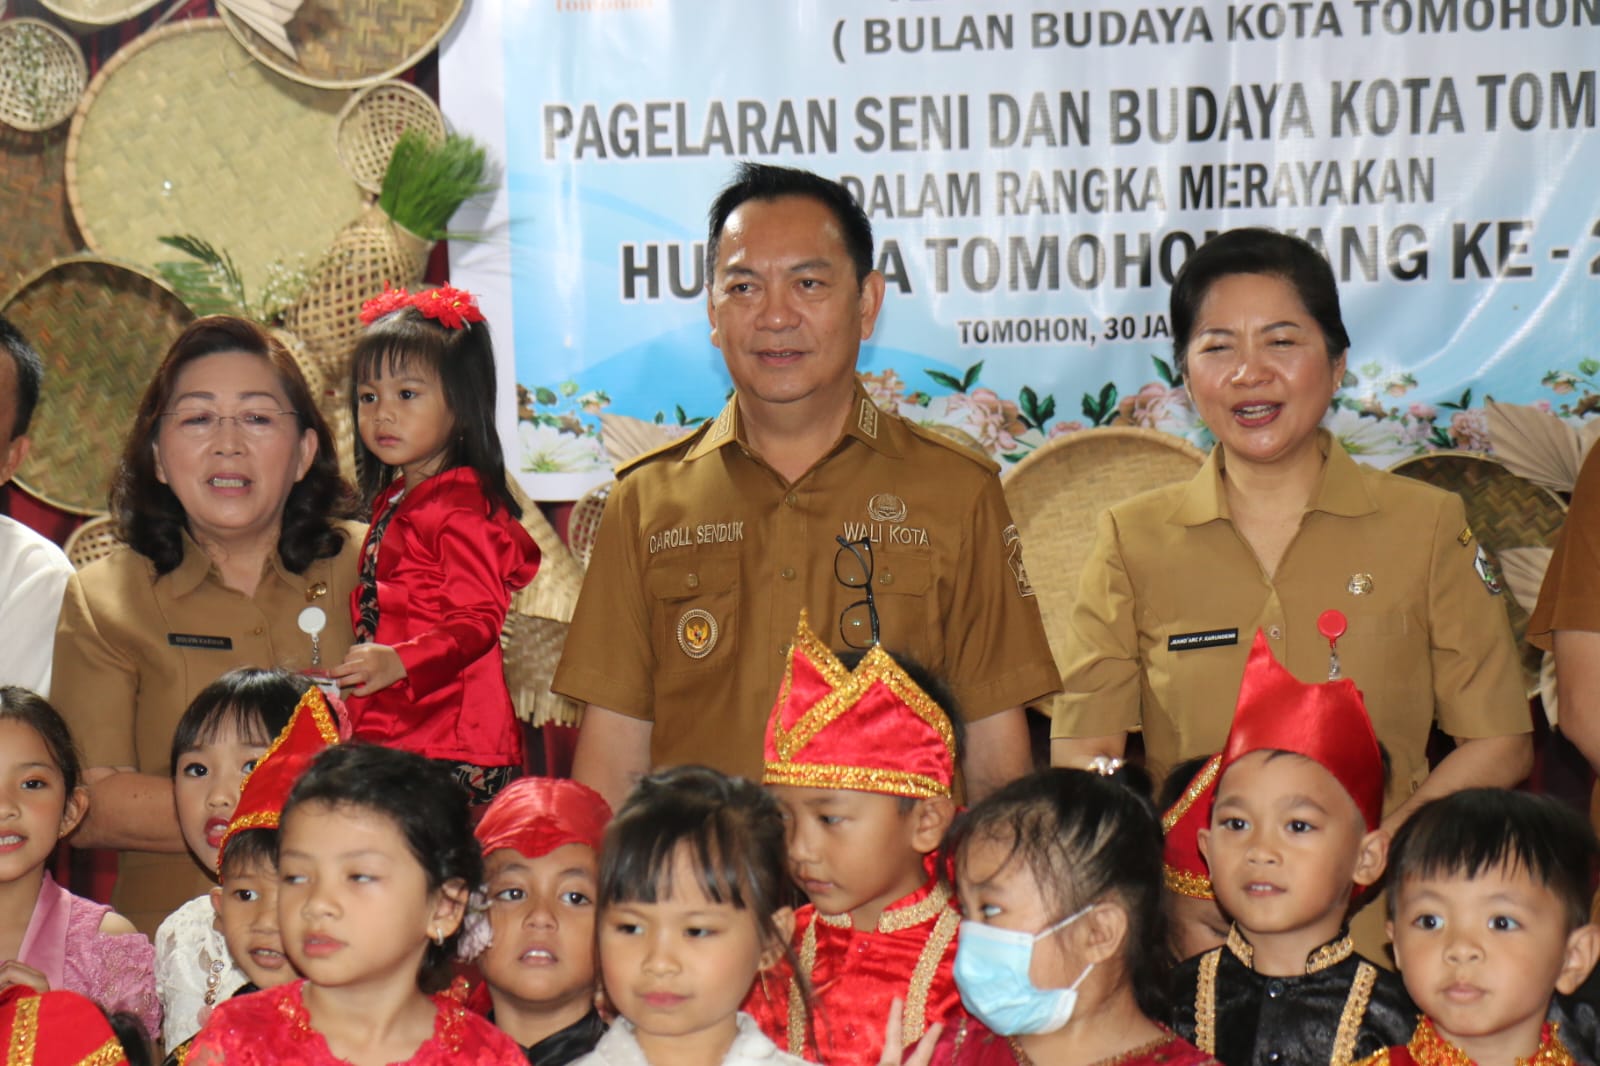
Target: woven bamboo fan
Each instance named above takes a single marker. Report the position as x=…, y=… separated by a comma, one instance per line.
x=89, y=16
x=234, y=153
x=583, y=525
x=1057, y=494
x=1505, y=511
x=372, y=122
x=535, y=629
x=33, y=208
x=102, y=328
x=345, y=44
x=42, y=74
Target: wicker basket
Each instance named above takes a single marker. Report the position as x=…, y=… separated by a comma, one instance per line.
x=1505, y=511
x=91, y=16
x=33, y=209
x=42, y=75
x=102, y=328
x=535, y=630
x=369, y=254
x=92, y=541
x=583, y=525
x=1058, y=493
x=345, y=44
x=371, y=124
x=235, y=154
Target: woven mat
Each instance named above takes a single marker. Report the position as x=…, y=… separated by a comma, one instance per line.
x=235, y=154
x=33, y=208
x=371, y=124
x=1505, y=511
x=42, y=74
x=102, y=329
x=343, y=44
x=1057, y=494
x=88, y=16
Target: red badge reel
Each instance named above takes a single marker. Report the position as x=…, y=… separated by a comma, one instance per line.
x=1332, y=624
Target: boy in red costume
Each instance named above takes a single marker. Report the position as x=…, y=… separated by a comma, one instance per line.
x=862, y=761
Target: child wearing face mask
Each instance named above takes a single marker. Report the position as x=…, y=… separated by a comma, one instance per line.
x=1063, y=936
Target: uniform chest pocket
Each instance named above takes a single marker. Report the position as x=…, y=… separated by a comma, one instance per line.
x=694, y=601
x=909, y=616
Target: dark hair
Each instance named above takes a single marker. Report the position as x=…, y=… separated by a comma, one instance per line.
x=463, y=361
x=1084, y=837
x=129, y=1031
x=1483, y=829
x=149, y=517
x=246, y=848
x=763, y=181
x=1178, y=780
x=1385, y=764
x=18, y=704
x=260, y=701
x=30, y=375
x=425, y=803
x=1255, y=250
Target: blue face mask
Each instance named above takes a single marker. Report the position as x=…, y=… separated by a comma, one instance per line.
x=992, y=973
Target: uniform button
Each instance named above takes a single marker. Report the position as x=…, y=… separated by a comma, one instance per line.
x=886, y=578
x=791, y=499
x=1274, y=632
x=1274, y=989
x=787, y=573
x=1274, y=1056
x=258, y=630
x=693, y=581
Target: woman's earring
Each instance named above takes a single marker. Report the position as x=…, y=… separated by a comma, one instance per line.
x=438, y=936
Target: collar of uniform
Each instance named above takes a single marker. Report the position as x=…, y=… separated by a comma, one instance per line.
x=867, y=422
x=1340, y=491
x=923, y=905
x=196, y=566
x=1332, y=953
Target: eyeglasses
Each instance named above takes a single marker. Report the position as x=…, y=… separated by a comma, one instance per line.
x=852, y=568
x=199, y=424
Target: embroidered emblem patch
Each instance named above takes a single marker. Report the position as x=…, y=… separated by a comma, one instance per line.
x=1013, y=543
x=1465, y=536
x=867, y=418
x=886, y=507
x=1488, y=572
x=697, y=633
x=1360, y=584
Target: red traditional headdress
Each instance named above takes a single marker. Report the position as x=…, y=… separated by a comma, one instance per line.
x=313, y=726
x=1326, y=723
x=870, y=729
x=56, y=1028
x=1183, y=868
x=536, y=815
x=451, y=307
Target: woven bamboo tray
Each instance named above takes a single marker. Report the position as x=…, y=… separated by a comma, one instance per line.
x=91, y=542
x=1058, y=493
x=42, y=74
x=33, y=208
x=345, y=44
x=88, y=16
x=371, y=124
x=235, y=154
x=1505, y=511
x=102, y=328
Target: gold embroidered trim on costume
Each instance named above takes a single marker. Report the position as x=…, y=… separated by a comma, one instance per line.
x=1428, y=1048
x=254, y=820
x=808, y=963
x=1205, y=1000
x=1185, y=883
x=854, y=778
x=1201, y=782
x=24, y=1031
x=1355, y=1009
x=1241, y=947
x=915, y=1018
x=107, y=1054
x=1330, y=955
x=896, y=919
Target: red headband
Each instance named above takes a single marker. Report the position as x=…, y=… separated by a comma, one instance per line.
x=1326, y=723
x=1183, y=868
x=870, y=729
x=450, y=307
x=536, y=815
x=313, y=726
x=57, y=1028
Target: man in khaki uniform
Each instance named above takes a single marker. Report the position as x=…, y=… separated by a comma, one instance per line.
x=1171, y=597
x=1567, y=618
x=710, y=547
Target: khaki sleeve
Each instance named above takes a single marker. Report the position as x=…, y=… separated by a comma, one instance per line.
x=996, y=647
x=1478, y=689
x=95, y=686
x=1570, y=596
x=608, y=659
x=1101, y=675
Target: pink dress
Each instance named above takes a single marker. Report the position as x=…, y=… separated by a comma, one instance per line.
x=63, y=941
x=273, y=1026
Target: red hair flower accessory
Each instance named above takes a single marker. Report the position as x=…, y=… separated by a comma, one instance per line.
x=386, y=302
x=451, y=307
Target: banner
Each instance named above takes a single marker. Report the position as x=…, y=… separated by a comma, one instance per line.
x=1035, y=174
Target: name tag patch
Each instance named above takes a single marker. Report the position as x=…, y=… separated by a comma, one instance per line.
x=200, y=640
x=1211, y=638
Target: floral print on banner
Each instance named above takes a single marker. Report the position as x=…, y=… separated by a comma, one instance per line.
x=1375, y=416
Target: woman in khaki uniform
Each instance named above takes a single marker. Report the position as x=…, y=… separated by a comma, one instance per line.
x=1279, y=526
x=228, y=501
